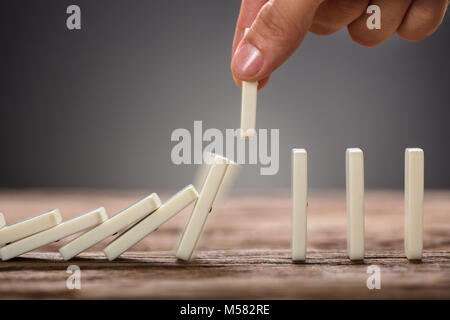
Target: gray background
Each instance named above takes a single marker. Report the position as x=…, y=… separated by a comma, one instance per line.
x=95, y=108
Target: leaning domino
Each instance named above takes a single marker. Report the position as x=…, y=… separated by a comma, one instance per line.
x=205, y=203
x=229, y=179
x=203, y=169
x=299, y=203
x=29, y=226
x=143, y=228
x=116, y=223
x=354, y=162
x=2, y=220
x=65, y=229
x=248, y=106
x=414, y=192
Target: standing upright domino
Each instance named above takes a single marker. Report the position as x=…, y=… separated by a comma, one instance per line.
x=248, y=106
x=299, y=203
x=2, y=220
x=414, y=190
x=354, y=163
x=210, y=190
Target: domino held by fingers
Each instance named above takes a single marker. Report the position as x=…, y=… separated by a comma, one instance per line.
x=248, y=106
x=58, y=232
x=134, y=213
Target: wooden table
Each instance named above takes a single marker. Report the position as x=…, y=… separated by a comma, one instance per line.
x=244, y=252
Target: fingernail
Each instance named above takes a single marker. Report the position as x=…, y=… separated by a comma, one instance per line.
x=247, y=61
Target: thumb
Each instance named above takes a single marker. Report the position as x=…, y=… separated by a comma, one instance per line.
x=275, y=34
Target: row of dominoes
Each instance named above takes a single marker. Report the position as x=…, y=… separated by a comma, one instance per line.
x=149, y=214
x=145, y=216
x=414, y=190
x=414, y=195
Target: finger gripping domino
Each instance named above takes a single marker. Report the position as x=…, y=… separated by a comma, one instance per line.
x=248, y=109
x=248, y=106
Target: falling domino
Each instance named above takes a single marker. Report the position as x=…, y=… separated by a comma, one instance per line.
x=208, y=194
x=229, y=179
x=299, y=203
x=414, y=190
x=29, y=226
x=111, y=226
x=65, y=229
x=203, y=169
x=143, y=228
x=354, y=161
x=248, y=106
x=2, y=220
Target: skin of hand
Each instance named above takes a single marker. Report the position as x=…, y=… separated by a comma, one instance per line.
x=277, y=28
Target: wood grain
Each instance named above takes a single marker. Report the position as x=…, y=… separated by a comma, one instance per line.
x=244, y=252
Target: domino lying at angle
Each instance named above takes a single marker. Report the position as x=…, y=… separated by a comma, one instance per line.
x=299, y=203
x=65, y=229
x=414, y=190
x=116, y=223
x=2, y=220
x=205, y=203
x=29, y=226
x=149, y=224
x=248, y=106
x=354, y=163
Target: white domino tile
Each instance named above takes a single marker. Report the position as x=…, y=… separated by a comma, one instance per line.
x=299, y=203
x=2, y=220
x=229, y=178
x=29, y=226
x=210, y=190
x=111, y=226
x=203, y=169
x=354, y=162
x=143, y=228
x=414, y=193
x=58, y=232
x=248, y=107
x=233, y=171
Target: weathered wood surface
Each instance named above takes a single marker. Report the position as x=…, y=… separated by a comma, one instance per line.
x=244, y=252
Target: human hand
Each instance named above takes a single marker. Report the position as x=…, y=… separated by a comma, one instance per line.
x=279, y=26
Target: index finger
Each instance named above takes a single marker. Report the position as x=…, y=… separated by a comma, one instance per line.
x=248, y=12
